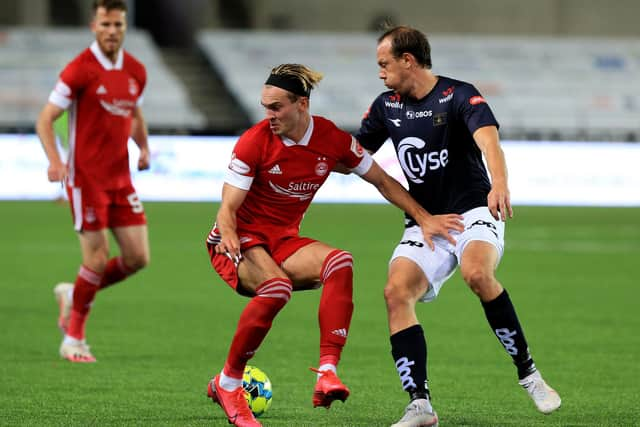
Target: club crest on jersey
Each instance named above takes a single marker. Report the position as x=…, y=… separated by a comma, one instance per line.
x=238, y=165
x=133, y=87
x=89, y=215
x=356, y=148
x=322, y=168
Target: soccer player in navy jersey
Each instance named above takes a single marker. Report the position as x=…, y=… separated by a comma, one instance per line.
x=441, y=128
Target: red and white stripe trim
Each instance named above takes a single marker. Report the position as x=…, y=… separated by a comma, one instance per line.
x=275, y=288
x=89, y=275
x=338, y=260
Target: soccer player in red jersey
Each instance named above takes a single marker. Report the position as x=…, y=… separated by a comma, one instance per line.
x=102, y=91
x=276, y=168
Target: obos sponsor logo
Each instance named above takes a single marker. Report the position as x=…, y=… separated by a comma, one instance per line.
x=419, y=114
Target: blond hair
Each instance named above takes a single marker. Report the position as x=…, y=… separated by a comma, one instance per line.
x=307, y=77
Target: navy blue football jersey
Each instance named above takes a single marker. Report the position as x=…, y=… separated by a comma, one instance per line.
x=433, y=138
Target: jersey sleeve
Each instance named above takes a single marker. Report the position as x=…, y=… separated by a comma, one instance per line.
x=474, y=109
x=373, y=131
x=142, y=82
x=354, y=157
x=244, y=162
x=72, y=80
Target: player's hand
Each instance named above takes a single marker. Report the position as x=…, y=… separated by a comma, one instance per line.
x=499, y=202
x=230, y=246
x=57, y=172
x=440, y=225
x=144, y=159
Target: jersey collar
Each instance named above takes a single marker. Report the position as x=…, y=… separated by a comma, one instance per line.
x=104, y=61
x=305, y=138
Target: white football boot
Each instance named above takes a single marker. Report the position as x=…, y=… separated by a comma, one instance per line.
x=418, y=413
x=546, y=399
x=76, y=351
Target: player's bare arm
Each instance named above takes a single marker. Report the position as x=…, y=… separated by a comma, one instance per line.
x=57, y=170
x=498, y=200
x=232, y=198
x=140, y=136
x=393, y=191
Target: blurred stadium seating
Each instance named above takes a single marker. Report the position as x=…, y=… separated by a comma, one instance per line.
x=31, y=59
x=539, y=87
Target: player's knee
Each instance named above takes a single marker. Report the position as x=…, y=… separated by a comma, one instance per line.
x=137, y=261
x=396, y=295
x=96, y=261
x=480, y=280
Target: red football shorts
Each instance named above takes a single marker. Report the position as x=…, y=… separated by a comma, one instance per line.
x=94, y=208
x=278, y=244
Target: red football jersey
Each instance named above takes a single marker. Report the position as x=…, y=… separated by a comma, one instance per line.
x=101, y=97
x=282, y=176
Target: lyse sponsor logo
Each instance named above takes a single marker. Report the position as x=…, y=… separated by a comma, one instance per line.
x=414, y=162
x=505, y=337
x=403, y=365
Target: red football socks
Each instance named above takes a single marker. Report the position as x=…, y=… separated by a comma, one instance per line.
x=84, y=291
x=255, y=322
x=336, y=305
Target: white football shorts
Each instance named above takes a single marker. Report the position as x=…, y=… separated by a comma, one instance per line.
x=438, y=265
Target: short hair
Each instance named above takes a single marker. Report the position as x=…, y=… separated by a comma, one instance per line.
x=110, y=5
x=405, y=39
x=307, y=77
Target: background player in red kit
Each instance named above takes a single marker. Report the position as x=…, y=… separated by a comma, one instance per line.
x=102, y=90
x=276, y=168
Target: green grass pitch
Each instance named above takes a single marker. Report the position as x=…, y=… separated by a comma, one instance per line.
x=163, y=333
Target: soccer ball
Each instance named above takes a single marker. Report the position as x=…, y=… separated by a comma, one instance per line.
x=257, y=390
